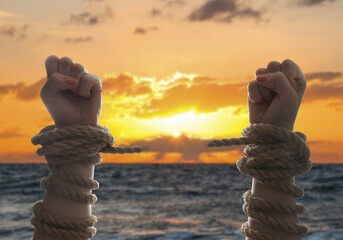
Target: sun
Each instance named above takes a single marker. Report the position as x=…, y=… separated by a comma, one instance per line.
x=176, y=134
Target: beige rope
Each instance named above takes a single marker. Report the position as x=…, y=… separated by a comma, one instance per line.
x=273, y=156
x=74, y=143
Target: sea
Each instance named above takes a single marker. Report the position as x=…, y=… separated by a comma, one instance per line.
x=171, y=201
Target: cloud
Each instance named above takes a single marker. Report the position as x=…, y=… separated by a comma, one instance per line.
x=12, y=30
x=336, y=105
x=22, y=91
x=155, y=12
x=8, y=30
x=21, y=158
x=142, y=31
x=88, y=17
x=190, y=147
x=4, y=14
x=312, y=2
x=222, y=10
x=11, y=133
x=125, y=85
x=78, y=39
x=323, y=76
x=171, y=3
x=323, y=91
x=206, y=97
x=205, y=94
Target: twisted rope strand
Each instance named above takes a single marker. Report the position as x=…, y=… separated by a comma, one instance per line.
x=42, y=215
x=271, y=205
x=273, y=155
x=74, y=143
x=253, y=234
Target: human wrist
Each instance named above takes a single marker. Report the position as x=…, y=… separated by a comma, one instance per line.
x=86, y=123
x=264, y=190
x=68, y=208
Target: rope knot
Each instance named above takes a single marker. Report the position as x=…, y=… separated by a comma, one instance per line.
x=273, y=156
x=74, y=143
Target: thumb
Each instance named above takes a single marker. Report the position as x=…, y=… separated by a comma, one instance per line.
x=57, y=82
x=278, y=83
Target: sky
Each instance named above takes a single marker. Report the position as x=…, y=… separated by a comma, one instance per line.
x=174, y=72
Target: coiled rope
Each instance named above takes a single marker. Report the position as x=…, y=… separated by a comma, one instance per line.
x=273, y=156
x=74, y=143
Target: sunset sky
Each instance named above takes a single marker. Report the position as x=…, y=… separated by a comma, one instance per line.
x=174, y=72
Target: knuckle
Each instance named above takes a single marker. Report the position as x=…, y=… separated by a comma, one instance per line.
x=250, y=85
x=259, y=71
x=287, y=61
x=65, y=60
x=273, y=63
x=51, y=58
x=77, y=67
x=96, y=79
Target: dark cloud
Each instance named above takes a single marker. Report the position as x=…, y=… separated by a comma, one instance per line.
x=207, y=97
x=142, y=31
x=12, y=30
x=223, y=10
x=11, y=133
x=21, y=158
x=125, y=85
x=23, y=91
x=323, y=76
x=336, y=105
x=8, y=30
x=171, y=3
x=88, y=17
x=312, y=2
x=79, y=39
x=326, y=157
x=139, y=30
x=155, y=12
x=189, y=146
x=333, y=91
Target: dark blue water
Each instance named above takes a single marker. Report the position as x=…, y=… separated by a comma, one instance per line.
x=145, y=201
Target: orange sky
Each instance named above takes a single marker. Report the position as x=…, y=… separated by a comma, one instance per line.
x=174, y=72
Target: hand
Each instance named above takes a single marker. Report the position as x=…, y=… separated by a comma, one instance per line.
x=276, y=100
x=71, y=95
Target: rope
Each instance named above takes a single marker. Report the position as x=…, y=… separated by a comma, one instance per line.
x=74, y=143
x=273, y=156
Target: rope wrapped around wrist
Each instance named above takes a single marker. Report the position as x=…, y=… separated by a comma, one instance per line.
x=273, y=156
x=60, y=146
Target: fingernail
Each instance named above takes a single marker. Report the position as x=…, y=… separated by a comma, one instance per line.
x=262, y=78
x=70, y=81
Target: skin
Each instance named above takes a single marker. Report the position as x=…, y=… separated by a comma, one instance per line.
x=76, y=103
x=274, y=101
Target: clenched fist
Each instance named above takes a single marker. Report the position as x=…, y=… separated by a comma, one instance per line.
x=71, y=95
x=275, y=96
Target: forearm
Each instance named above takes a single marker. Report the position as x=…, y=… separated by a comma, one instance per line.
x=66, y=208
x=264, y=191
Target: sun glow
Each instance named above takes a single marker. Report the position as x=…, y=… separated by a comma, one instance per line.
x=178, y=123
x=176, y=134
